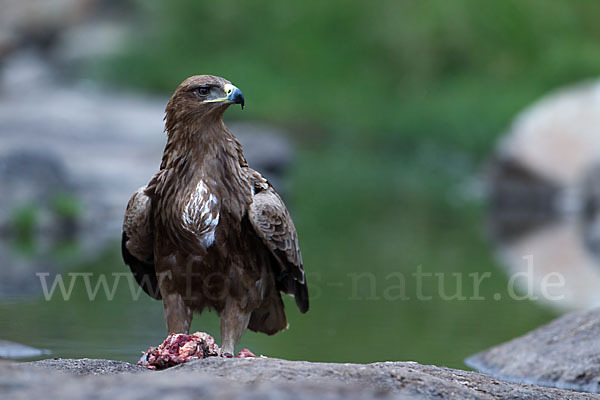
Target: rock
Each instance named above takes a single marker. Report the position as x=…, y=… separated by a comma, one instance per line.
x=73, y=52
x=263, y=378
x=29, y=178
x=58, y=40
x=109, y=144
x=17, y=350
x=563, y=354
x=38, y=22
x=543, y=191
x=268, y=150
x=24, y=69
x=18, y=382
x=556, y=137
x=59, y=27
x=86, y=366
x=35, y=193
x=542, y=163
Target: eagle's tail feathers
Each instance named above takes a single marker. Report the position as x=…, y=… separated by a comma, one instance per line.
x=270, y=317
x=301, y=296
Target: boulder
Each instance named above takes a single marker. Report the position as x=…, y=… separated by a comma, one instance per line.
x=563, y=354
x=543, y=190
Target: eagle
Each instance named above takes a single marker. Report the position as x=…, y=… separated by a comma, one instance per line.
x=208, y=231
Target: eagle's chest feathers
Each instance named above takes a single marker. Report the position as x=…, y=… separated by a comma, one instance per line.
x=200, y=214
x=202, y=191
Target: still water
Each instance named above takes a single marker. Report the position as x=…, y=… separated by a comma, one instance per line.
x=353, y=318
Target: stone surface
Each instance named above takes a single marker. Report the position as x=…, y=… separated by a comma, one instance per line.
x=259, y=378
x=563, y=354
x=85, y=366
x=556, y=137
x=62, y=30
x=38, y=22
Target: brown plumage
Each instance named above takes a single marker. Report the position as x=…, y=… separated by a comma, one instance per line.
x=208, y=231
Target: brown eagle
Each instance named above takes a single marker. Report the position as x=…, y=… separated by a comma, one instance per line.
x=208, y=231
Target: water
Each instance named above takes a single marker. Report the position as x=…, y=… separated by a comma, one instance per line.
x=362, y=327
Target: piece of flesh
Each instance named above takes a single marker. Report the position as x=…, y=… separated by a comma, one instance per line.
x=179, y=348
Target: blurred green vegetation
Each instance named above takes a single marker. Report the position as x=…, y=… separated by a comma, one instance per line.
x=24, y=220
x=380, y=73
x=394, y=106
x=23, y=224
x=66, y=206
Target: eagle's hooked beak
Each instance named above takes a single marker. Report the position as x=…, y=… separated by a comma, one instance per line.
x=234, y=95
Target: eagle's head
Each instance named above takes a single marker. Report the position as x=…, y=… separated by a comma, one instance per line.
x=202, y=98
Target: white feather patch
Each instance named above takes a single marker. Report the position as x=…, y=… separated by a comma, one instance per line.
x=201, y=214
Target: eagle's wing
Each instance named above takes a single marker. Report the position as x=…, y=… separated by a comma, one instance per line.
x=273, y=224
x=138, y=242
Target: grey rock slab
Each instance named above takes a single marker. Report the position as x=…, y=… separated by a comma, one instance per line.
x=564, y=354
x=32, y=383
x=86, y=366
x=260, y=378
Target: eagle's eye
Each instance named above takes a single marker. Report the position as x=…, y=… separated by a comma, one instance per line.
x=202, y=91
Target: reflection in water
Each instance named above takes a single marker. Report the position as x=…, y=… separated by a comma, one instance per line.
x=544, y=188
x=558, y=247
